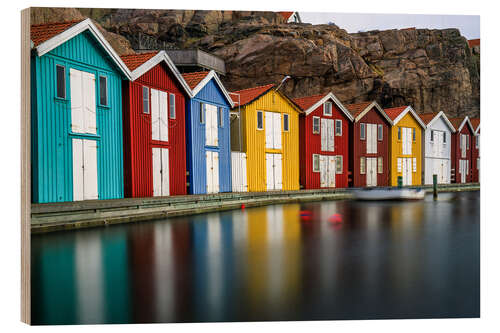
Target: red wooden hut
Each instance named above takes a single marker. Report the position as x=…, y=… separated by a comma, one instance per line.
x=475, y=122
x=461, y=154
x=369, y=161
x=154, y=126
x=324, y=141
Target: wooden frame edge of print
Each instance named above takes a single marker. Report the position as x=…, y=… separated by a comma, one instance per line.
x=25, y=168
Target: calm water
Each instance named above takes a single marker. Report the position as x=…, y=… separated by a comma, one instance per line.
x=385, y=260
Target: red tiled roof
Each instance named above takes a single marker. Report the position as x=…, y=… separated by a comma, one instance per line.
x=427, y=117
x=133, y=61
x=249, y=95
x=475, y=122
x=474, y=42
x=286, y=15
x=192, y=79
x=306, y=102
x=43, y=32
x=393, y=113
x=456, y=122
x=356, y=108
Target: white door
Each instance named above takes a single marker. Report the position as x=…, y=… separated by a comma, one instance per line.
x=407, y=171
x=463, y=170
x=277, y=130
x=324, y=134
x=278, y=170
x=212, y=166
x=84, y=169
x=273, y=130
x=331, y=171
x=274, y=180
x=159, y=115
x=269, y=129
x=371, y=138
x=239, y=171
x=161, y=183
x=331, y=135
x=83, y=102
x=371, y=171
x=211, y=125
x=323, y=170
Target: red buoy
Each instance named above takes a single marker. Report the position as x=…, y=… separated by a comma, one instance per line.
x=242, y=206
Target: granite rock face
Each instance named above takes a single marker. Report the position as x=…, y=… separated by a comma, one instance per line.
x=432, y=70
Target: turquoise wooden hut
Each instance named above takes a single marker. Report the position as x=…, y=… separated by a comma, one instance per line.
x=76, y=114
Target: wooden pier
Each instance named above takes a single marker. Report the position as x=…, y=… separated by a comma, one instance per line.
x=92, y=213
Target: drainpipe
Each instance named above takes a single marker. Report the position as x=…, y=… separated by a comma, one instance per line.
x=239, y=119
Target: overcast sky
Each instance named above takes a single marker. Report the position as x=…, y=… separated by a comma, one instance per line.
x=467, y=24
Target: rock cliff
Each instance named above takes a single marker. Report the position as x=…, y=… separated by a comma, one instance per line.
x=432, y=70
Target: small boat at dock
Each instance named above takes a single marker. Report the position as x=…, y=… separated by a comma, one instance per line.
x=389, y=194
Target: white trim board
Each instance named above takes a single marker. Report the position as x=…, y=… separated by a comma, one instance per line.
x=369, y=107
x=443, y=115
x=415, y=115
x=212, y=75
x=335, y=100
x=73, y=31
x=466, y=120
x=159, y=57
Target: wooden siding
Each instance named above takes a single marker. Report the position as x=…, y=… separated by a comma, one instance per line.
x=456, y=155
x=254, y=142
x=52, y=162
x=475, y=156
x=138, y=141
x=196, y=148
x=429, y=157
x=396, y=150
x=358, y=149
x=311, y=144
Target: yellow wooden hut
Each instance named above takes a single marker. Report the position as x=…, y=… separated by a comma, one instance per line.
x=265, y=127
x=406, y=145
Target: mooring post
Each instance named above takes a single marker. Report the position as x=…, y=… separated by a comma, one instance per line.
x=400, y=181
x=435, y=186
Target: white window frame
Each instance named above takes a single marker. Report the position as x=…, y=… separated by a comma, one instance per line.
x=432, y=136
x=106, y=90
x=339, y=164
x=338, y=121
x=171, y=106
x=286, y=122
x=146, y=93
x=414, y=133
x=220, y=114
x=467, y=141
x=262, y=120
x=314, y=158
x=477, y=141
x=329, y=108
x=444, y=138
x=202, y=113
x=399, y=133
x=380, y=164
x=362, y=131
x=64, y=81
x=362, y=165
x=380, y=132
x=319, y=125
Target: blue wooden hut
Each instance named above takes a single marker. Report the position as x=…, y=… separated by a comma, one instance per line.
x=208, y=134
x=76, y=114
